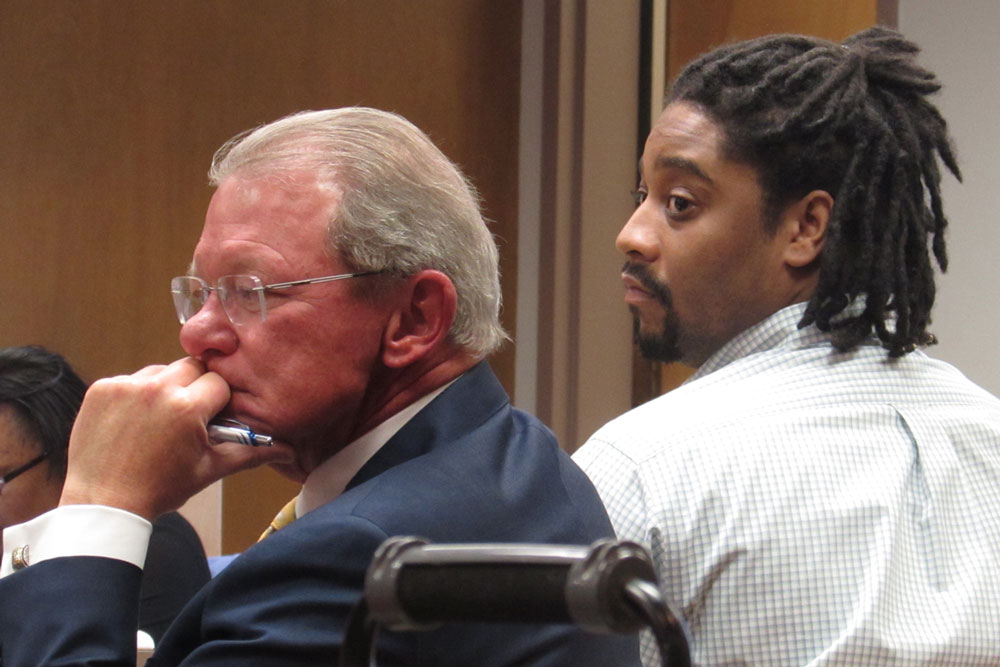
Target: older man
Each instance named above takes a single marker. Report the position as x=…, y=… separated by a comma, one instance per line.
x=342, y=299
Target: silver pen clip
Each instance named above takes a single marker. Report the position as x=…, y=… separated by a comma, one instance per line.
x=230, y=430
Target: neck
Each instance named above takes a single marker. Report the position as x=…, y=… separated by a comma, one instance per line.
x=392, y=389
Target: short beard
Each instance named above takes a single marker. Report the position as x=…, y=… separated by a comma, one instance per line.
x=661, y=346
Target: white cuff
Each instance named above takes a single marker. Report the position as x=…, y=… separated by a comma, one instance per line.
x=79, y=530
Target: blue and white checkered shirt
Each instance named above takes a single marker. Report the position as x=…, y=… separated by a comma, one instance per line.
x=810, y=507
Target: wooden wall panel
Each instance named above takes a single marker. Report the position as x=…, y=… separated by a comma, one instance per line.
x=111, y=112
x=697, y=26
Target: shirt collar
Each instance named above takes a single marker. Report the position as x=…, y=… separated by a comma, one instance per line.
x=769, y=333
x=331, y=477
x=780, y=330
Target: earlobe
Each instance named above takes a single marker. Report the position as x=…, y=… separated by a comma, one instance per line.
x=809, y=218
x=422, y=320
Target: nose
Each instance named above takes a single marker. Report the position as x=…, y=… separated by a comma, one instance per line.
x=209, y=332
x=638, y=238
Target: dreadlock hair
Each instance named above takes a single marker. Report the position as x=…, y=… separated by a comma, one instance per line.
x=850, y=119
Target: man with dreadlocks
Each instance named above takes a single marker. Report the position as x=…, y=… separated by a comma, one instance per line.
x=820, y=491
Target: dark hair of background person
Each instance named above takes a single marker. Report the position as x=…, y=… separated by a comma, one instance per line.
x=46, y=394
x=853, y=120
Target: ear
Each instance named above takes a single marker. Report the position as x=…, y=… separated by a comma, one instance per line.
x=805, y=222
x=422, y=320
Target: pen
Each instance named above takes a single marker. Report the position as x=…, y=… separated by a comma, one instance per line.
x=241, y=435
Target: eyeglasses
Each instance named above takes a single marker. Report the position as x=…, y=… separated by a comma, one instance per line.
x=25, y=468
x=242, y=296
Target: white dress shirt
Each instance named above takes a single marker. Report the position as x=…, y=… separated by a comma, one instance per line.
x=96, y=530
x=810, y=507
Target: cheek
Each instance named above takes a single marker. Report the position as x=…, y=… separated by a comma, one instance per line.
x=722, y=259
x=690, y=264
x=314, y=359
x=27, y=498
x=701, y=279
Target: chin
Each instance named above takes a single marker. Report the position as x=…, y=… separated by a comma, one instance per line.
x=657, y=344
x=659, y=350
x=290, y=471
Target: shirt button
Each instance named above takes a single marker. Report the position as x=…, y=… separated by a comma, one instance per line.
x=19, y=558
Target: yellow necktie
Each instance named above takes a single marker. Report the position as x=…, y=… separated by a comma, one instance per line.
x=281, y=519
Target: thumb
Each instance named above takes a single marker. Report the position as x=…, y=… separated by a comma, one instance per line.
x=229, y=458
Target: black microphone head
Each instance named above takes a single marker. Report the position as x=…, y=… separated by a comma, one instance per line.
x=595, y=589
x=609, y=587
x=412, y=585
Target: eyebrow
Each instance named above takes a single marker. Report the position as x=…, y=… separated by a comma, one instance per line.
x=674, y=162
x=241, y=267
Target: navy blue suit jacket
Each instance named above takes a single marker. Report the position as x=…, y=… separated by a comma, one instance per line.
x=468, y=468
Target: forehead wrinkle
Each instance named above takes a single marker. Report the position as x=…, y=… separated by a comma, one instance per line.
x=238, y=263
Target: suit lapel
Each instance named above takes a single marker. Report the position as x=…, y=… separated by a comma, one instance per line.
x=465, y=405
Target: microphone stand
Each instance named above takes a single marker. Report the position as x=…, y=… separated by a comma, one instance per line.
x=609, y=587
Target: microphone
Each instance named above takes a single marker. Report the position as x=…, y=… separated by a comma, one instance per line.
x=413, y=585
x=608, y=587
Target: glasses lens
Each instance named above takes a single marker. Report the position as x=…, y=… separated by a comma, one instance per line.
x=190, y=294
x=243, y=298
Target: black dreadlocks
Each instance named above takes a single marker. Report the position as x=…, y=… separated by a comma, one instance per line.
x=852, y=120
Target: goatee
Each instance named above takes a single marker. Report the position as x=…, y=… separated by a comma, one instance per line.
x=662, y=345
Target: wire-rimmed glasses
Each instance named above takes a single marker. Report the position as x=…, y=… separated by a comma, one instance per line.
x=242, y=296
x=5, y=480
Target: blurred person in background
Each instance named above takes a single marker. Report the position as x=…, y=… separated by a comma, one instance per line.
x=40, y=395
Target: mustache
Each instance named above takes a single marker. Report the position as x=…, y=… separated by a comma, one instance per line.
x=649, y=282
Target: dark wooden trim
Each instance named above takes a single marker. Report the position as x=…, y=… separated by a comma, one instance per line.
x=887, y=13
x=546, y=270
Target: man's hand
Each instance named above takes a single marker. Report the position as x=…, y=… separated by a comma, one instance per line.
x=140, y=444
